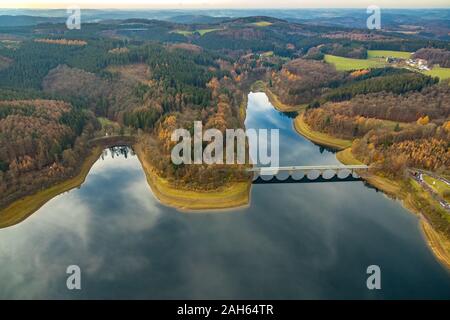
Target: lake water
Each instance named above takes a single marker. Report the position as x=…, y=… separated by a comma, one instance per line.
x=294, y=241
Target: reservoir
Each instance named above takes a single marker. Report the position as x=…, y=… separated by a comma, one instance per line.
x=294, y=241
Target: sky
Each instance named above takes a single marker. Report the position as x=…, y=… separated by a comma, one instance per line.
x=214, y=4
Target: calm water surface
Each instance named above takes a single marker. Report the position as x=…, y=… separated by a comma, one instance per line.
x=294, y=241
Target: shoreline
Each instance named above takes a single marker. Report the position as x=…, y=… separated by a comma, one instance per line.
x=260, y=86
x=23, y=208
x=231, y=196
x=280, y=106
x=323, y=139
x=438, y=243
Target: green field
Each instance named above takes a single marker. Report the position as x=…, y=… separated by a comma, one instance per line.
x=439, y=186
x=262, y=23
x=10, y=44
x=348, y=64
x=189, y=33
x=442, y=73
x=386, y=53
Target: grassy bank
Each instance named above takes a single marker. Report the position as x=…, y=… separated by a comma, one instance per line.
x=420, y=202
x=280, y=106
x=387, y=185
x=438, y=242
x=23, y=208
x=318, y=137
x=230, y=196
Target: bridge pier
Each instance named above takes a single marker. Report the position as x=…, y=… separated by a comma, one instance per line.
x=272, y=174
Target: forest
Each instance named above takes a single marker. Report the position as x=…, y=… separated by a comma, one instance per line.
x=412, y=129
x=40, y=142
x=55, y=85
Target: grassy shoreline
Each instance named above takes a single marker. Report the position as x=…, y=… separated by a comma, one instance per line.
x=21, y=209
x=231, y=196
x=318, y=137
x=436, y=241
x=280, y=106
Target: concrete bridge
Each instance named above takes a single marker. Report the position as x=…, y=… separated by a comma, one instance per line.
x=307, y=174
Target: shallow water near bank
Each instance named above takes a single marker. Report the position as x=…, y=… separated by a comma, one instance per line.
x=293, y=241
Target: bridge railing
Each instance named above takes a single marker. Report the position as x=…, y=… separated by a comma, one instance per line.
x=307, y=168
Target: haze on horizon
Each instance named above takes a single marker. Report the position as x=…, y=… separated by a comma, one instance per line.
x=220, y=4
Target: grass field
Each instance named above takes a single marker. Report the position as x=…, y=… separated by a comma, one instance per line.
x=439, y=186
x=10, y=44
x=262, y=23
x=348, y=64
x=442, y=73
x=267, y=54
x=189, y=33
x=386, y=53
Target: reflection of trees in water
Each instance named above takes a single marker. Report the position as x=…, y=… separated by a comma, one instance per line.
x=117, y=151
x=289, y=114
x=120, y=151
x=322, y=149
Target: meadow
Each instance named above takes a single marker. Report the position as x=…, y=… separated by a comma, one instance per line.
x=387, y=53
x=442, y=73
x=189, y=33
x=262, y=23
x=348, y=64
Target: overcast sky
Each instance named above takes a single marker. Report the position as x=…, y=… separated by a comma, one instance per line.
x=212, y=4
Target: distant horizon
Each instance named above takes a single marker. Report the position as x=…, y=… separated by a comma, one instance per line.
x=222, y=4
x=222, y=8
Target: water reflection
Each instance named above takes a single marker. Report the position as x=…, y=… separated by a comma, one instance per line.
x=35, y=253
x=294, y=241
x=293, y=149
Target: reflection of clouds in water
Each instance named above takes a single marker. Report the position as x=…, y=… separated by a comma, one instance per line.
x=294, y=149
x=260, y=111
x=293, y=241
x=28, y=250
x=102, y=166
x=142, y=208
x=35, y=253
x=258, y=101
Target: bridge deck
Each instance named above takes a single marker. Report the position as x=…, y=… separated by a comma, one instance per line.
x=308, y=168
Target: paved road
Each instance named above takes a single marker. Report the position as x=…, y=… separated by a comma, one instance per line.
x=419, y=178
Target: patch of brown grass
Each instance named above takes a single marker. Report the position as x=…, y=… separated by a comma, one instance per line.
x=64, y=42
